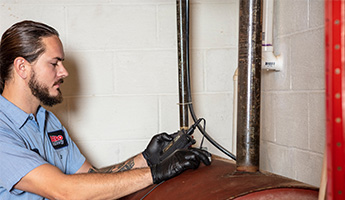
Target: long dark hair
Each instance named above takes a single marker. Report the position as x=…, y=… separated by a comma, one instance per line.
x=23, y=39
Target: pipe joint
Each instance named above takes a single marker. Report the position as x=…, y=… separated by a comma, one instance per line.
x=271, y=61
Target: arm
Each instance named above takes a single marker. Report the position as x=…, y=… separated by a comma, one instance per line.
x=48, y=181
x=135, y=162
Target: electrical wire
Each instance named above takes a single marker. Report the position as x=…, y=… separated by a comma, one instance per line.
x=209, y=138
x=203, y=137
x=189, y=92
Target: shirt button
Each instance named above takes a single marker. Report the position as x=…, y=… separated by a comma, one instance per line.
x=30, y=117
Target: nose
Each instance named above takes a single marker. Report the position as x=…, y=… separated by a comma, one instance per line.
x=62, y=71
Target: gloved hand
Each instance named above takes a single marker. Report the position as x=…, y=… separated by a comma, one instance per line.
x=178, y=162
x=154, y=149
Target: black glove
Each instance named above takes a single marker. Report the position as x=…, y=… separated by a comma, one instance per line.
x=154, y=149
x=178, y=162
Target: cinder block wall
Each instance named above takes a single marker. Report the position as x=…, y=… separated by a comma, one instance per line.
x=122, y=88
x=293, y=101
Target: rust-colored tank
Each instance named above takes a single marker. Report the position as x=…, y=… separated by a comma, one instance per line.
x=221, y=181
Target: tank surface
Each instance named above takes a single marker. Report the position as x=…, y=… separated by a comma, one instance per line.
x=221, y=181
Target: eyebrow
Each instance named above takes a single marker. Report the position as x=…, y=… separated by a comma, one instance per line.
x=59, y=59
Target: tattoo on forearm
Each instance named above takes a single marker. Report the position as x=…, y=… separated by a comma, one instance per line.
x=92, y=170
x=127, y=165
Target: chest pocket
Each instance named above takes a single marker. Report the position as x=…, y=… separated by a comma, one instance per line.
x=59, y=143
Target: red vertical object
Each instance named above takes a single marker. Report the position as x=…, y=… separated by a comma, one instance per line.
x=335, y=97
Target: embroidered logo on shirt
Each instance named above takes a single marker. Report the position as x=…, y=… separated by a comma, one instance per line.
x=58, y=139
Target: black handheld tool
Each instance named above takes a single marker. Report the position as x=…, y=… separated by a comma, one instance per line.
x=182, y=140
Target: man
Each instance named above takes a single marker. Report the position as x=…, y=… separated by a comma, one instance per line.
x=38, y=158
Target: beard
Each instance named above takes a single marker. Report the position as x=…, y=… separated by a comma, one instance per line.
x=41, y=91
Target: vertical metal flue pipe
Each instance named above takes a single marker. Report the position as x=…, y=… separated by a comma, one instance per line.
x=249, y=89
x=182, y=12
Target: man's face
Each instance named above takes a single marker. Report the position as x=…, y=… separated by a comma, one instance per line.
x=47, y=73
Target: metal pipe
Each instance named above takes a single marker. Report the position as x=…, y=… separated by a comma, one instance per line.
x=182, y=11
x=249, y=80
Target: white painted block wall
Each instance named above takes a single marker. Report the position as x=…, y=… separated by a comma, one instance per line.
x=293, y=101
x=122, y=88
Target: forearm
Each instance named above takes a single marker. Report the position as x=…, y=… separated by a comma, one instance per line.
x=135, y=162
x=48, y=181
x=108, y=186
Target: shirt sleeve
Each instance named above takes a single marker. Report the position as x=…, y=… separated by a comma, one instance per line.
x=16, y=160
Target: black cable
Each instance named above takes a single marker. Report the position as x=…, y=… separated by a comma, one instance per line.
x=189, y=91
x=203, y=137
x=209, y=138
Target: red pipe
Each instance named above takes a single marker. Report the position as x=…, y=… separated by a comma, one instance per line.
x=335, y=46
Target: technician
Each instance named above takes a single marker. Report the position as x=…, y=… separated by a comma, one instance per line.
x=38, y=158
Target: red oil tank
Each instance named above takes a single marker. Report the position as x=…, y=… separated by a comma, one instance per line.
x=221, y=181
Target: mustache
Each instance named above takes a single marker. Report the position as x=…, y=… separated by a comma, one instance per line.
x=60, y=81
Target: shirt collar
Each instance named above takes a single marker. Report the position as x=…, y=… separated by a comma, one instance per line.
x=15, y=114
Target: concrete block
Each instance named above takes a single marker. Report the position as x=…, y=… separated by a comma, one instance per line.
x=141, y=1
x=114, y=118
x=111, y=26
x=214, y=25
x=307, y=167
x=316, y=16
x=268, y=118
x=169, y=120
x=167, y=25
x=307, y=60
x=197, y=70
x=90, y=73
x=217, y=110
x=317, y=122
x=276, y=159
x=290, y=16
x=12, y=12
x=52, y=2
x=141, y=72
x=132, y=148
x=291, y=119
x=100, y=153
x=220, y=68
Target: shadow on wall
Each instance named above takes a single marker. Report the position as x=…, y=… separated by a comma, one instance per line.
x=70, y=89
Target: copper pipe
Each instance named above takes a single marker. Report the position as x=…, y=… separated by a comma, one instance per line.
x=249, y=80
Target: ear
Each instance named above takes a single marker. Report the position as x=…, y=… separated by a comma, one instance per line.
x=21, y=67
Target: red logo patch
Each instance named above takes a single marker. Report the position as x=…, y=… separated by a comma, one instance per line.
x=57, y=138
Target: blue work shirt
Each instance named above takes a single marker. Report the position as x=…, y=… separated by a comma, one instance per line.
x=26, y=144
